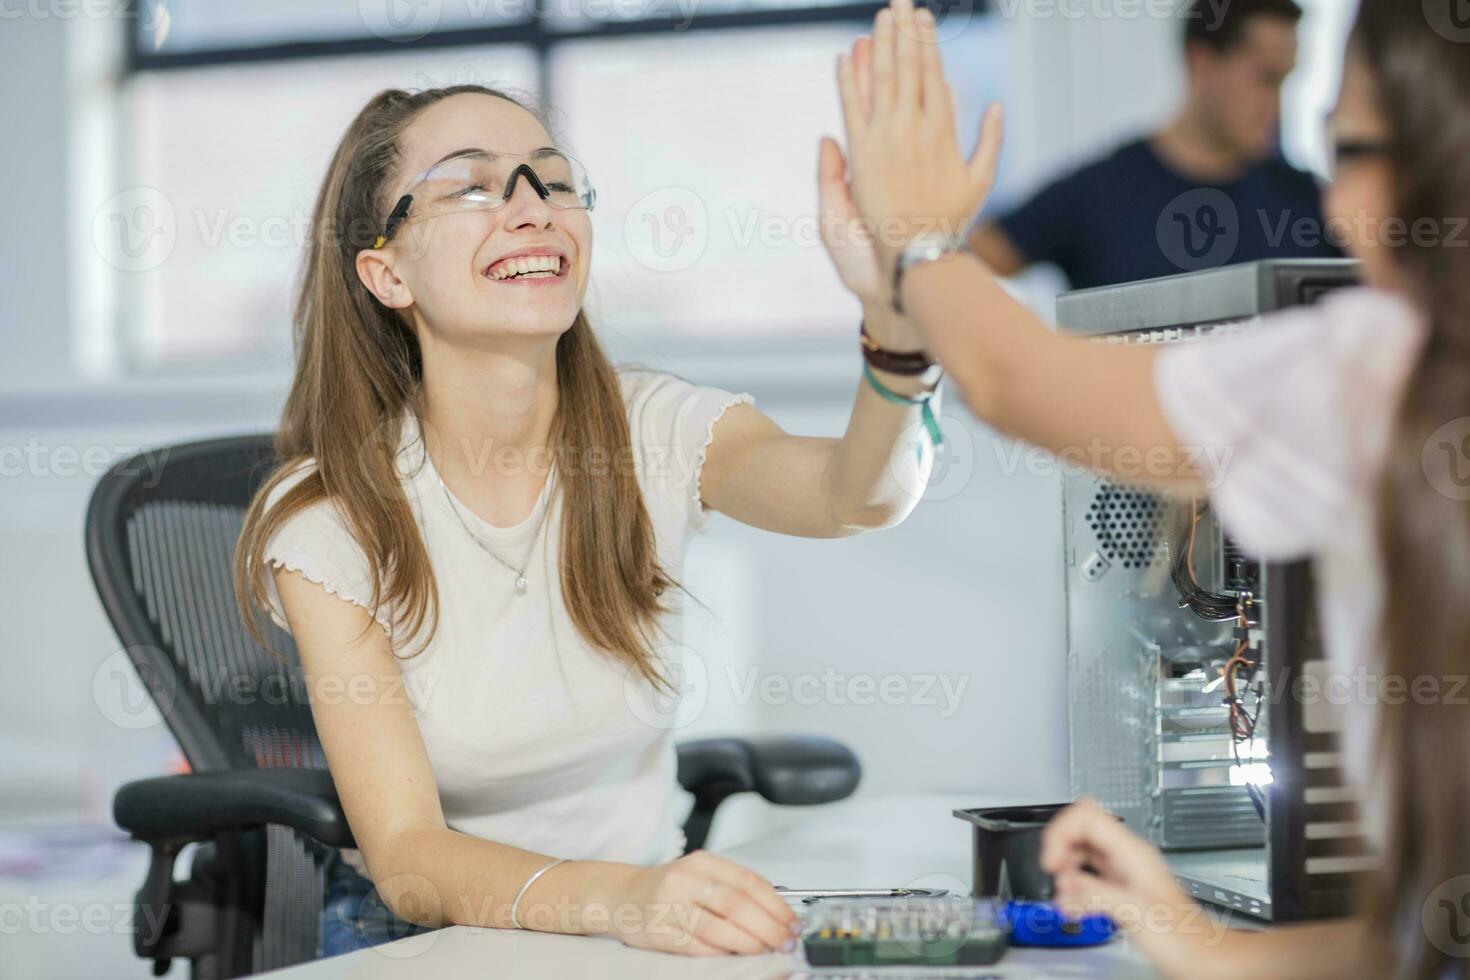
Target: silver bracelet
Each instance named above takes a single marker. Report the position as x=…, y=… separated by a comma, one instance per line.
x=529, y=881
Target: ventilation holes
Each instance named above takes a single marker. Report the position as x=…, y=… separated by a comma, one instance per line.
x=1129, y=526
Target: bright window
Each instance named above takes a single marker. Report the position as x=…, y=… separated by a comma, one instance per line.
x=705, y=152
x=702, y=144
x=237, y=153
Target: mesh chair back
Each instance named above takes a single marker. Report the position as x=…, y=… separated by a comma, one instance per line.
x=161, y=534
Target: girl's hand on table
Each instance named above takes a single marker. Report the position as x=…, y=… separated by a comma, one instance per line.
x=703, y=905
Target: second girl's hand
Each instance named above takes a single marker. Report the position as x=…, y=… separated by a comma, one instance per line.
x=908, y=174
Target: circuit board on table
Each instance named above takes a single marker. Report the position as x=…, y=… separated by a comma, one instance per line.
x=947, y=931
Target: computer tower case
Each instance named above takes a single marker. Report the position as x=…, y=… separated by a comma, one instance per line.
x=1150, y=733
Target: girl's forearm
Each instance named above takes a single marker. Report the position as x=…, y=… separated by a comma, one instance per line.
x=1320, y=951
x=440, y=877
x=880, y=466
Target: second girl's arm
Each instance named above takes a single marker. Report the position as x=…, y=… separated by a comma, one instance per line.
x=1098, y=864
x=1092, y=404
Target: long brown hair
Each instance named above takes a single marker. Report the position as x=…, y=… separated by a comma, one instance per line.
x=1422, y=77
x=359, y=368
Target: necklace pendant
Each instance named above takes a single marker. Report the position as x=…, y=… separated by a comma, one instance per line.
x=521, y=584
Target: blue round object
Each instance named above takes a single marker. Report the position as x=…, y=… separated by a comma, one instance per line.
x=1043, y=924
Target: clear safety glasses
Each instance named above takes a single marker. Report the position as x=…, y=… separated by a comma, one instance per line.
x=483, y=180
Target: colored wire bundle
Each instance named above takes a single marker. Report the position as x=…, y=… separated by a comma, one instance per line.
x=1242, y=723
x=1213, y=606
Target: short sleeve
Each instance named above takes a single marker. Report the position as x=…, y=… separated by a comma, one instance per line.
x=316, y=542
x=1045, y=228
x=673, y=422
x=1289, y=419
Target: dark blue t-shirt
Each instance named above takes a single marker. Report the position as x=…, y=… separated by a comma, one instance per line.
x=1130, y=216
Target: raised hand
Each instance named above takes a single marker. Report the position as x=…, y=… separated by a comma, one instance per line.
x=848, y=242
x=908, y=175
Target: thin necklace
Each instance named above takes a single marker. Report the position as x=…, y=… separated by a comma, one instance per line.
x=520, y=572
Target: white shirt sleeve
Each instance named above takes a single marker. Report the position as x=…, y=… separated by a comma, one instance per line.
x=316, y=543
x=1289, y=419
x=673, y=422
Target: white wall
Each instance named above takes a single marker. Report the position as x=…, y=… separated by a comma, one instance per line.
x=35, y=297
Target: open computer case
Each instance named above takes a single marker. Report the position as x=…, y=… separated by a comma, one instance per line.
x=1263, y=825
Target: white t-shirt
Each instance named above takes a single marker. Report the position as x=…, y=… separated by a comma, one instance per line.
x=1301, y=410
x=535, y=738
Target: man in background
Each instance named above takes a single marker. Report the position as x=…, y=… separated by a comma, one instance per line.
x=1207, y=189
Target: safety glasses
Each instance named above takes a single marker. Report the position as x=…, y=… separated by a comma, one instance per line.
x=483, y=180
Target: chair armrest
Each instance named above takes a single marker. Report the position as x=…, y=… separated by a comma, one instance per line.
x=791, y=770
x=801, y=770
x=194, y=806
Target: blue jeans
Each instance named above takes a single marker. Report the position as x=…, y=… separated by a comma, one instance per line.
x=353, y=916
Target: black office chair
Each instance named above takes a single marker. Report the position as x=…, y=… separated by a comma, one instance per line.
x=161, y=532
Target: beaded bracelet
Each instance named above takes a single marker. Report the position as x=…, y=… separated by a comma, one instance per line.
x=906, y=363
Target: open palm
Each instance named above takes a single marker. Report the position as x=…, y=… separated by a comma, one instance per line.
x=849, y=242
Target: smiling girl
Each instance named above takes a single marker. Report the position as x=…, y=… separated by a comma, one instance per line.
x=476, y=508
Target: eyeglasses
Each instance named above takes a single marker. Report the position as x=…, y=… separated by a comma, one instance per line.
x=1345, y=149
x=483, y=180
x=1348, y=150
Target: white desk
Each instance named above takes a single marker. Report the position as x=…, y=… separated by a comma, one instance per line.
x=871, y=843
